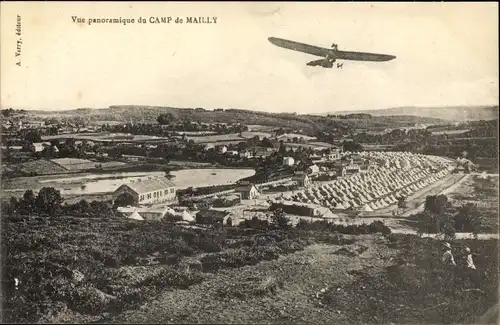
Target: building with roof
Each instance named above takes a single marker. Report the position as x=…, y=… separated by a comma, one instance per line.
x=150, y=191
x=303, y=209
x=210, y=217
x=288, y=161
x=313, y=169
x=334, y=154
x=247, y=191
x=39, y=146
x=352, y=169
x=302, y=179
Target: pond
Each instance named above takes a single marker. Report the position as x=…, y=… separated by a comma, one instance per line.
x=106, y=183
x=101, y=183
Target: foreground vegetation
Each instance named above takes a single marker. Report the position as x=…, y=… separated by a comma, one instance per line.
x=473, y=207
x=94, y=267
x=419, y=288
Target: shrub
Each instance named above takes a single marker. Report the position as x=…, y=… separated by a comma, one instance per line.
x=180, y=278
x=468, y=219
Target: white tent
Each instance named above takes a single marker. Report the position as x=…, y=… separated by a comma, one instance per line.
x=186, y=216
x=135, y=216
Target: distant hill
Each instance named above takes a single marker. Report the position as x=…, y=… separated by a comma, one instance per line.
x=308, y=123
x=140, y=113
x=449, y=113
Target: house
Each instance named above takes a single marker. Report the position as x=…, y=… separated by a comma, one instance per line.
x=334, y=154
x=149, y=191
x=39, y=146
x=263, y=152
x=245, y=154
x=247, y=191
x=352, y=169
x=222, y=149
x=303, y=209
x=288, y=161
x=302, y=179
x=210, y=217
x=313, y=169
x=357, y=159
x=208, y=146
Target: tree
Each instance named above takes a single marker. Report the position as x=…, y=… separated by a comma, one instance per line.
x=166, y=119
x=352, y=146
x=49, y=201
x=267, y=143
x=468, y=219
x=436, y=204
x=125, y=199
x=279, y=218
x=402, y=203
x=27, y=204
x=33, y=137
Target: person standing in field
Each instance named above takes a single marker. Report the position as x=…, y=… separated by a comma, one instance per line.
x=469, y=262
x=448, y=258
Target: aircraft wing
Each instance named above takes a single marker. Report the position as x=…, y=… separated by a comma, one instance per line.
x=324, y=52
x=360, y=56
x=300, y=47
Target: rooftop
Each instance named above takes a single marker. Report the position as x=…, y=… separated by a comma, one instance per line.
x=150, y=185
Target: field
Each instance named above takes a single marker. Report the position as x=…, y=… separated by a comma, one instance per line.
x=61, y=166
x=450, y=132
x=251, y=134
x=41, y=167
x=74, y=164
x=103, y=137
x=216, y=138
x=484, y=193
x=208, y=176
x=111, y=270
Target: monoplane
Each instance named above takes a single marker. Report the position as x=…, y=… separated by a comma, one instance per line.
x=329, y=55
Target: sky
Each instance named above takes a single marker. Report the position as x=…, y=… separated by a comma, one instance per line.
x=446, y=55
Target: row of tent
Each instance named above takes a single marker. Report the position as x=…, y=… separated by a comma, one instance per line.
x=378, y=188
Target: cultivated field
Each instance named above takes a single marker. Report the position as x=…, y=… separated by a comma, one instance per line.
x=451, y=132
x=41, y=167
x=216, y=138
x=251, y=134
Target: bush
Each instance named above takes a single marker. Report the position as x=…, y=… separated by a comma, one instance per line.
x=468, y=219
x=173, y=277
x=323, y=225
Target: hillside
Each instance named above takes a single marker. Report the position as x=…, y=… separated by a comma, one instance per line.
x=449, y=113
x=308, y=123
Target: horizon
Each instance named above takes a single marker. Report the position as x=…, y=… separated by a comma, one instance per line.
x=354, y=111
x=446, y=56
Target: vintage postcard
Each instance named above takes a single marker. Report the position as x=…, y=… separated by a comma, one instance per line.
x=249, y=162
